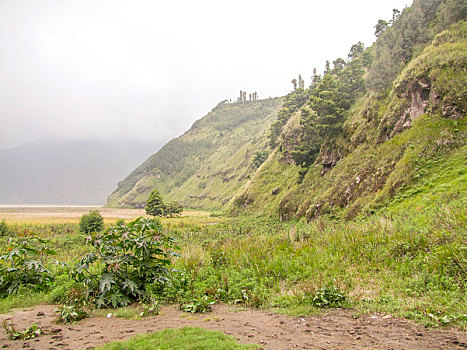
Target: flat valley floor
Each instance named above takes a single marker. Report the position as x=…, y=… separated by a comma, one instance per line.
x=333, y=329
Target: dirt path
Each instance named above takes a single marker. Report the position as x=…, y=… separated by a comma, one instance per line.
x=336, y=329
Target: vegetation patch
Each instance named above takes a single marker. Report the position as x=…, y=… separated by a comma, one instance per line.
x=182, y=338
x=127, y=257
x=13, y=334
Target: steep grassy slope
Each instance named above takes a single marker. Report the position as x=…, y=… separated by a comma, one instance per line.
x=204, y=167
x=396, y=150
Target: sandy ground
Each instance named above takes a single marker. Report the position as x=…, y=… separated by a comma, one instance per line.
x=62, y=214
x=28, y=214
x=336, y=329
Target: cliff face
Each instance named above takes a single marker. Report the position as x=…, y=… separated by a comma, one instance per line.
x=408, y=143
x=204, y=167
x=351, y=144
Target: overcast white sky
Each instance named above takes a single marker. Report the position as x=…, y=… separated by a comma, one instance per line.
x=148, y=69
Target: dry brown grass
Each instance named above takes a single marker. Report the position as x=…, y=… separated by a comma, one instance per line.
x=56, y=215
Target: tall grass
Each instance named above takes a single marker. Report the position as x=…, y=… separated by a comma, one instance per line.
x=411, y=263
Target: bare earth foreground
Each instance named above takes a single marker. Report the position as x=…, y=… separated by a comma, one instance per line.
x=336, y=329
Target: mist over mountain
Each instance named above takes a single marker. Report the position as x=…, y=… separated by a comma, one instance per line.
x=68, y=172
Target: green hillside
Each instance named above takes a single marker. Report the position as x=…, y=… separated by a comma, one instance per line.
x=381, y=130
x=389, y=147
x=204, y=167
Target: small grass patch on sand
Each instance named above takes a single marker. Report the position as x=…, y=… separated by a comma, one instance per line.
x=180, y=339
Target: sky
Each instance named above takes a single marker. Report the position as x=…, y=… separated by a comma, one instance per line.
x=147, y=69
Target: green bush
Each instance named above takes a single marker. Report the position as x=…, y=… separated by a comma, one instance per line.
x=129, y=256
x=77, y=306
x=22, y=264
x=92, y=222
x=155, y=205
x=120, y=222
x=328, y=296
x=4, y=228
x=201, y=305
x=259, y=158
x=62, y=286
x=173, y=208
x=29, y=333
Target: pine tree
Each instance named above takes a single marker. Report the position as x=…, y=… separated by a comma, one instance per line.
x=301, y=82
x=155, y=205
x=294, y=82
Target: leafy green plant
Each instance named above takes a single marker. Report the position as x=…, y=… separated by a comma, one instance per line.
x=259, y=158
x=71, y=314
x=128, y=257
x=150, y=307
x=175, y=288
x=77, y=306
x=201, y=305
x=328, y=296
x=22, y=263
x=31, y=332
x=92, y=222
x=62, y=286
x=4, y=230
x=173, y=208
x=120, y=222
x=155, y=205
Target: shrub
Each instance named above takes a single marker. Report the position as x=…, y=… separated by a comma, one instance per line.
x=76, y=307
x=120, y=222
x=4, y=228
x=29, y=333
x=201, y=305
x=155, y=205
x=259, y=158
x=92, y=222
x=62, y=287
x=328, y=296
x=22, y=264
x=173, y=208
x=130, y=256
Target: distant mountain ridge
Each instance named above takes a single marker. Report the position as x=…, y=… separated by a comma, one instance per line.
x=204, y=167
x=67, y=172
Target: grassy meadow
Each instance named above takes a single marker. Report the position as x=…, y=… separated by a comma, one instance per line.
x=412, y=264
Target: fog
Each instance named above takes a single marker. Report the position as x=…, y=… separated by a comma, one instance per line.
x=148, y=69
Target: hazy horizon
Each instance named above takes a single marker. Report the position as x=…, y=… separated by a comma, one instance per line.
x=69, y=172
x=63, y=140
x=146, y=70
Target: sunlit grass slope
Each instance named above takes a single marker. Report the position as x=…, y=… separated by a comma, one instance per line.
x=204, y=167
x=387, y=162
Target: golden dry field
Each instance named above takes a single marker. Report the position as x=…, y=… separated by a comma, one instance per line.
x=72, y=214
